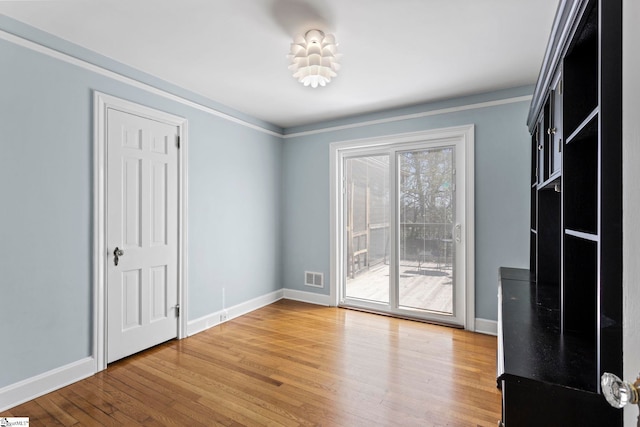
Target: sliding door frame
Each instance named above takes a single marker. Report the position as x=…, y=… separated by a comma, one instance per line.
x=340, y=150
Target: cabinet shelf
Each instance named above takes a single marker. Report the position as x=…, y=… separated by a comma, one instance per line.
x=581, y=235
x=550, y=183
x=587, y=128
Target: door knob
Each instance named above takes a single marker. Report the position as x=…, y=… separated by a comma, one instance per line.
x=117, y=253
x=617, y=392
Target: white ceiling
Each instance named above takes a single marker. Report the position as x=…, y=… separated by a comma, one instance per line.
x=395, y=52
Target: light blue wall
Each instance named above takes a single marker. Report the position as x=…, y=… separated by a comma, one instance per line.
x=46, y=156
x=501, y=182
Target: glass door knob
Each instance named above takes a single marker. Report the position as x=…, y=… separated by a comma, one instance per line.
x=617, y=392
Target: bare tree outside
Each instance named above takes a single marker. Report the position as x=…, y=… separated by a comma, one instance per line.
x=426, y=203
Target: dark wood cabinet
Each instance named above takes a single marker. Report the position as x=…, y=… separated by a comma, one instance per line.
x=545, y=375
x=560, y=323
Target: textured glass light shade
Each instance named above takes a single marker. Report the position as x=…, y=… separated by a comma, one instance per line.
x=617, y=392
x=314, y=58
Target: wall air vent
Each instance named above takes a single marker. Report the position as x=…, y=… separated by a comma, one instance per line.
x=314, y=279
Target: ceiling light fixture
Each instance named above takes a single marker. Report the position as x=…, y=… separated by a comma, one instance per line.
x=314, y=58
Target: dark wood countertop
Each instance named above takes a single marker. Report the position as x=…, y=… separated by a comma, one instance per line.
x=532, y=343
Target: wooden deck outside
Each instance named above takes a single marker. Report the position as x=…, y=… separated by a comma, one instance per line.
x=291, y=364
x=427, y=286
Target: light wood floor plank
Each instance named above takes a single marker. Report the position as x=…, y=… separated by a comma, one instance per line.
x=59, y=412
x=291, y=364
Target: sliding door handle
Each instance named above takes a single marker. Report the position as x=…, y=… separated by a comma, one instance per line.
x=457, y=233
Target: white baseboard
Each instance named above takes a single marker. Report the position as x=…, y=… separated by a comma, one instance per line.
x=23, y=391
x=213, y=319
x=210, y=320
x=310, y=297
x=486, y=326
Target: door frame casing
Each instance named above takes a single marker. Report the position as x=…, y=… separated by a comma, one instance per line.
x=101, y=104
x=337, y=150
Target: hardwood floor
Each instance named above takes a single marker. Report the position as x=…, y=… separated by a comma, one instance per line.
x=291, y=364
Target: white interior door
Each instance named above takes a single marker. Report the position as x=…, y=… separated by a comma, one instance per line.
x=142, y=233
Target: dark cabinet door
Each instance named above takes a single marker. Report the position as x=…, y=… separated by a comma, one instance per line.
x=540, y=137
x=555, y=129
x=530, y=403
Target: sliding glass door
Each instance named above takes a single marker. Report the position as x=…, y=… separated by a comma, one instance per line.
x=367, y=232
x=402, y=208
x=426, y=222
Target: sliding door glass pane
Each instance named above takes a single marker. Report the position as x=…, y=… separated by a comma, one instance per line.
x=426, y=224
x=367, y=228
